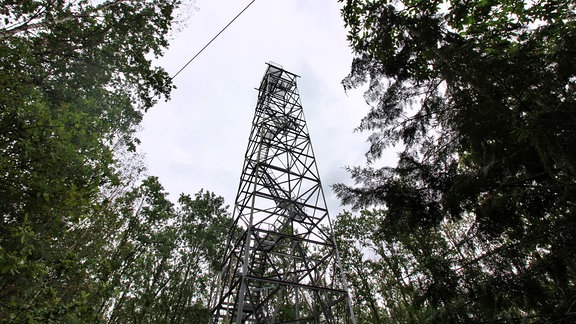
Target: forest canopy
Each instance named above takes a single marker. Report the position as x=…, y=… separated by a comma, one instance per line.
x=85, y=235
x=475, y=222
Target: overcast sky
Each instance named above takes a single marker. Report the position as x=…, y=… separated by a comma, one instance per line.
x=198, y=139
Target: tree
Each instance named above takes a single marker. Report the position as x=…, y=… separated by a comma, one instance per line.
x=164, y=264
x=76, y=77
x=480, y=96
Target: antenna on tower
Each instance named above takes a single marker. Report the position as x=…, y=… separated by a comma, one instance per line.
x=281, y=263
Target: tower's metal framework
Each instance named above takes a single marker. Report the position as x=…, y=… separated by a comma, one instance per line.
x=281, y=263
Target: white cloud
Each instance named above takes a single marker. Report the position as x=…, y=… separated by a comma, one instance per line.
x=198, y=139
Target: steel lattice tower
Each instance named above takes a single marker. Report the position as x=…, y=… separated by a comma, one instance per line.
x=281, y=263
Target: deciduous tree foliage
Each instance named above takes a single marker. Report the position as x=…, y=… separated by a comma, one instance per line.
x=79, y=242
x=165, y=259
x=480, y=97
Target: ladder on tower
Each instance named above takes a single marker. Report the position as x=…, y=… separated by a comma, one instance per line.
x=290, y=211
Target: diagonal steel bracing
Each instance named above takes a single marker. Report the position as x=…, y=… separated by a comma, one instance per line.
x=281, y=263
